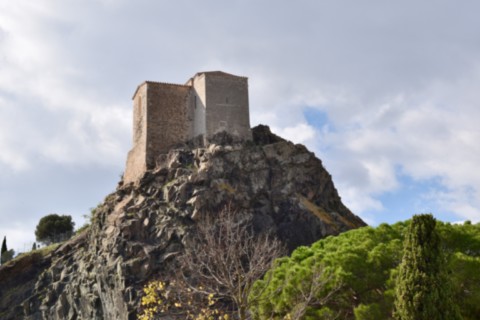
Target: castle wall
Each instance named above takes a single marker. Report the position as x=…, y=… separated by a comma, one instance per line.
x=168, y=114
x=136, y=159
x=227, y=105
x=200, y=103
x=169, y=118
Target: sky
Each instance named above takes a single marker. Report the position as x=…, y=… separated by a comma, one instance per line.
x=386, y=93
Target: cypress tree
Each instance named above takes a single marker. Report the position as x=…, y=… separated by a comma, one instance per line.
x=423, y=289
x=4, y=249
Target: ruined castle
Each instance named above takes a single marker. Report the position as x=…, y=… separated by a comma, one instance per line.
x=167, y=114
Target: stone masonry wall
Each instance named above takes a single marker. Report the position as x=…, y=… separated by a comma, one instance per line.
x=227, y=105
x=169, y=118
x=200, y=103
x=167, y=114
x=136, y=160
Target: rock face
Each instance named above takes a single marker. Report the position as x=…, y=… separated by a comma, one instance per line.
x=138, y=230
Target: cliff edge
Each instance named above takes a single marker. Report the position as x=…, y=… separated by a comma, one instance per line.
x=138, y=229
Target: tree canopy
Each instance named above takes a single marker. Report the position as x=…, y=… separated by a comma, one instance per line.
x=5, y=254
x=4, y=250
x=359, y=269
x=4, y=245
x=54, y=228
x=423, y=287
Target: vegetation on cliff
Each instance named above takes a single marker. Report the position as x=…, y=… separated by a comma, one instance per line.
x=216, y=272
x=141, y=236
x=139, y=231
x=358, y=270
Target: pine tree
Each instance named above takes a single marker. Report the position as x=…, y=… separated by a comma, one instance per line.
x=54, y=228
x=4, y=249
x=423, y=289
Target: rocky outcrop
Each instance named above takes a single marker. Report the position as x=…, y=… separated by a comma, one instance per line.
x=17, y=281
x=139, y=229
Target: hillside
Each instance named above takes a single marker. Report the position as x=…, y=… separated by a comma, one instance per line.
x=138, y=230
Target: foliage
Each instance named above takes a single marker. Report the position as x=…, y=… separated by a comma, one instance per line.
x=4, y=248
x=225, y=257
x=361, y=267
x=177, y=301
x=39, y=251
x=54, y=228
x=8, y=255
x=5, y=254
x=4, y=244
x=46, y=250
x=423, y=289
x=222, y=259
x=83, y=228
x=89, y=219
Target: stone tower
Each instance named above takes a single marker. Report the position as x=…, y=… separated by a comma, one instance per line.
x=166, y=114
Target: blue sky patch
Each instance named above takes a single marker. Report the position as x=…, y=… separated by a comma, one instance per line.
x=412, y=197
x=317, y=118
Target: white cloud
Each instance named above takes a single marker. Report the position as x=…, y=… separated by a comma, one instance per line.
x=431, y=133
x=299, y=133
x=18, y=238
x=399, y=85
x=40, y=77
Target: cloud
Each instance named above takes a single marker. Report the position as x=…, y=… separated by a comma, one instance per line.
x=430, y=133
x=299, y=133
x=16, y=238
x=59, y=115
x=379, y=90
